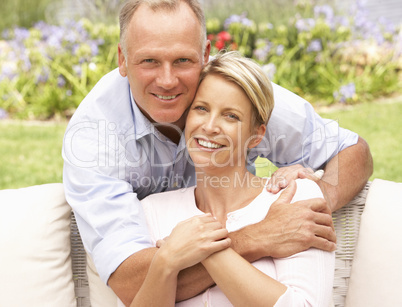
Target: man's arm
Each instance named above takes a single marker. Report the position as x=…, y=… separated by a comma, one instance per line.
x=129, y=276
x=346, y=174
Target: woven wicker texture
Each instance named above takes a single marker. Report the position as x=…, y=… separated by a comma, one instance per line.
x=347, y=224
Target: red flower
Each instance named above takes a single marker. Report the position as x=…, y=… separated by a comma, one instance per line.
x=220, y=44
x=225, y=36
x=211, y=37
x=233, y=46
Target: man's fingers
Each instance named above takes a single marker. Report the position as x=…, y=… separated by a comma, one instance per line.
x=325, y=232
x=319, y=205
x=288, y=194
x=159, y=243
x=324, y=219
x=323, y=244
x=310, y=174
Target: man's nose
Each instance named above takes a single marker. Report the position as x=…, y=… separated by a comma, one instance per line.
x=167, y=78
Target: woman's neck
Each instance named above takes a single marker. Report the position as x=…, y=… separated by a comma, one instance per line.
x=219, y=192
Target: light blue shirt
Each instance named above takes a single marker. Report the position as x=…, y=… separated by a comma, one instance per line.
x=114, y=157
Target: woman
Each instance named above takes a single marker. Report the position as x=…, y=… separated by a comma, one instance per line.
x=228, y=116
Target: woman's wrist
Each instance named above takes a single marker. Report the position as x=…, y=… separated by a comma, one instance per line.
x=165, y=264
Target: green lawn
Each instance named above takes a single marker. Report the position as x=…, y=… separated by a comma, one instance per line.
x=380, y=125
x=30, y=153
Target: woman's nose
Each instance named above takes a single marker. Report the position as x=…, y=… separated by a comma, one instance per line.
x=211, y=125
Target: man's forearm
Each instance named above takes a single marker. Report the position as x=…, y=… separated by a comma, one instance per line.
x=129, y=276
x=346, y=174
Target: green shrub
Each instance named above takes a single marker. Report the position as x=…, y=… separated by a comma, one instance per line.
x=47, y=70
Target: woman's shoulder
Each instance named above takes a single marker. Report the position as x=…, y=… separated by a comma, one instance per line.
x=306, y=189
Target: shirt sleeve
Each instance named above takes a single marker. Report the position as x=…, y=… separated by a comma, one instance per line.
x=109, y=215
x=296, y=134
x=308, y=275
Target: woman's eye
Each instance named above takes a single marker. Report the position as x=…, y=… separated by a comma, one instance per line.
x=200, y=108
x=233, y=116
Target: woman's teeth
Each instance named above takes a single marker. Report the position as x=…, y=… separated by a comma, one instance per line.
x=209, y=144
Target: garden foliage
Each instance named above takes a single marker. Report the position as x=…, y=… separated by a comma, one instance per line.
x=47, y=70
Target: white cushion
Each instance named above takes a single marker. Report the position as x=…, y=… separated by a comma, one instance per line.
x=101, y=295
x=376, y=276
x=35, y=258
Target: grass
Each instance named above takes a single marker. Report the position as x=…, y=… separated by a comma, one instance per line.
x=380, y=125
x=30, y=153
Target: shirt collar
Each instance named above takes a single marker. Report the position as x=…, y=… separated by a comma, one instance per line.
x=144, y=127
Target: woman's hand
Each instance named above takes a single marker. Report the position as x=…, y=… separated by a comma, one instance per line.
x=193, y=240
x=282, y=176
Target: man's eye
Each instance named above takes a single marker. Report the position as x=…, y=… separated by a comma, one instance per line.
x=182, y=60
x=148, y=60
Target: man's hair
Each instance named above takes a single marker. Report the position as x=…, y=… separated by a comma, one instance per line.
x=249, y=76
x=129, y=8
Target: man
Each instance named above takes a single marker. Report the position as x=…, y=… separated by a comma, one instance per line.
x=125, y=142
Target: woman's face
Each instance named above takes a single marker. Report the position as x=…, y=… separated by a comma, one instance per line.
x=218, y=128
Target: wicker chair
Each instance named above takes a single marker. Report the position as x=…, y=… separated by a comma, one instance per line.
x=346, y=221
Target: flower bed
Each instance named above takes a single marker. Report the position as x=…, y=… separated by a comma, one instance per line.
x=47, y=70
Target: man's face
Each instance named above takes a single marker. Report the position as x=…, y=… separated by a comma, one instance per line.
x=164, y=60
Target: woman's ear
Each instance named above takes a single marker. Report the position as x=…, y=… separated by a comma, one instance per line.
x=259, y=134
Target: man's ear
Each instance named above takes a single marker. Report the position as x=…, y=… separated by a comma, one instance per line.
x=122, y=61
x=258, y=136
x=207, y=51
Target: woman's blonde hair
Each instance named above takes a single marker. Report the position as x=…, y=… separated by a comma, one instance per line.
x=249, y=76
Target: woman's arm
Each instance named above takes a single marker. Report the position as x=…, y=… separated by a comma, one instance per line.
x=190, y=242
x=304, y=278
x=241, y=282
x=159, y=287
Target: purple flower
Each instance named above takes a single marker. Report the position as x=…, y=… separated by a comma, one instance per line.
x=345, y=92
x=324, y=10
x=279, y=50
x=94, y=47
x=21, y=34
x=3, y=114
x=270, y=70
x=263, y=50
x=78, y=70
x=8, y=71
x=242, y=19
x=43, y=76
x=305, y=25
x=314, y=46
x=61, y=81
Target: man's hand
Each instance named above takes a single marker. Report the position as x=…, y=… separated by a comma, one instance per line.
x=282, y=176
x=288, y=229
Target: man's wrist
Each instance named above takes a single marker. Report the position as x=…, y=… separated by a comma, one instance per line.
x=247, y=245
